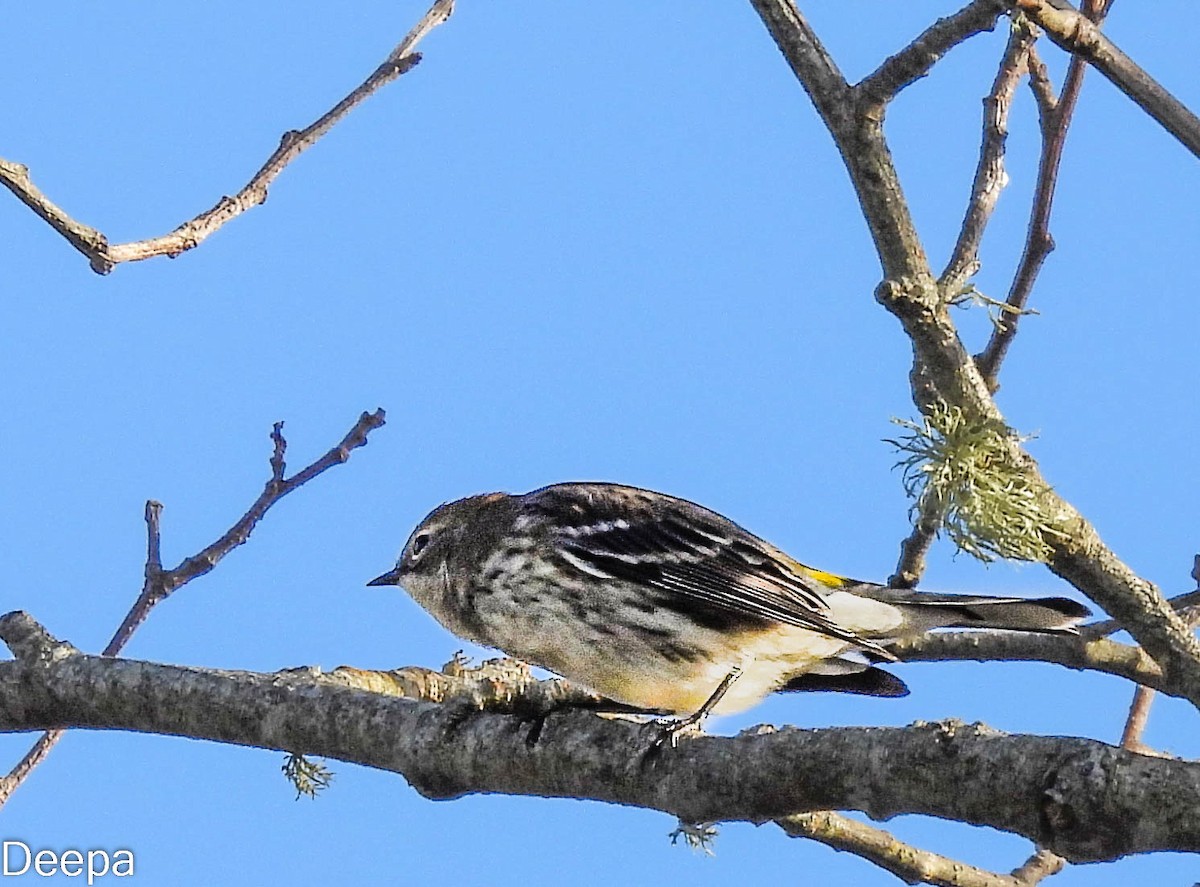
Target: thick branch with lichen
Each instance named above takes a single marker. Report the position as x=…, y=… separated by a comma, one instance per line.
x=944, y=370
x=958, y=474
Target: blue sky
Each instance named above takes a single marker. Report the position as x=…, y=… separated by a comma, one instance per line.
x=578, y=242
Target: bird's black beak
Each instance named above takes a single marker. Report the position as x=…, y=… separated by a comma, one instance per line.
x=391, y=577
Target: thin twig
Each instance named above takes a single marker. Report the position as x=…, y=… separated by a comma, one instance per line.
x=1038, y=242
x=908, y=863
x=1079, y=34
x=915, y=547
x=275, y=489
x=1041, y=864
x=1135, y=721
x=152, y=586
x=916, y=59
x=160, y=583
x=1042, y=89
x=1102, y=655
x=278, y=461
x=1183, y=604
x=990, y=175
x=103, y=257
x=152, y=577
x=1089, y=650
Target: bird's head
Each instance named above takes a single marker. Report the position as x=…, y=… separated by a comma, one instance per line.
x=446, y=546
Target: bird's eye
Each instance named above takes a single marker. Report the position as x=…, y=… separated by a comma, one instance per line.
x=419, y=544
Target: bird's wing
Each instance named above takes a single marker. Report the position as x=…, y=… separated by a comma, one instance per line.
x=692, y=559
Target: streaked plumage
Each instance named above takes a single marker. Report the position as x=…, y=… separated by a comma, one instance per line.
x=652, y=600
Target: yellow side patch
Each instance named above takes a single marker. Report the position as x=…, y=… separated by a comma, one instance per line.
x=829, y=580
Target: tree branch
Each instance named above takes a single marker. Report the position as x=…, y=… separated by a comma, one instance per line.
x=1055, y=120
x=990, y=179
x=812, y=64
x=1186, y=605
x=159, y=583
x=1143, y=697
x=275, y=489
x=1083, y=799
x=918, y=58
x=914, y=549
x=1042, y=89
x=103, y=256
x=1109, y=657
x=943, y=368
x=910, y=864
x=858, y=136
x=990, y=175
x=1086, y=651
x=1135, y=721
x=1077, y=35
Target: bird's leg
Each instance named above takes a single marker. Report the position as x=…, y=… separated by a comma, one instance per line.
x=670, y=728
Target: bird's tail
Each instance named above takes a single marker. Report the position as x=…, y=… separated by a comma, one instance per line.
x=925, y=610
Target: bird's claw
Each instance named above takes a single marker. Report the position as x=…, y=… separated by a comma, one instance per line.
x=668, y=730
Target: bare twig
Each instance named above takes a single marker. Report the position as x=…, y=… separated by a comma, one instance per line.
x=908, y=863
x=1187, y=605
x=104, y=256
x=990, y=175
x=160, y=583
x=915, y=547
x=278, y=461
x=1038, y=242
x=275, y=489
x=916, y=59
x=1102, y=655
x=1135, y=721
x=1080, y=36
x=1089, y=650
x=1040, y=865
x=1042, y=89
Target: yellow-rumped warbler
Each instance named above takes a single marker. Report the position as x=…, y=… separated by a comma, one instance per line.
x=661, y=604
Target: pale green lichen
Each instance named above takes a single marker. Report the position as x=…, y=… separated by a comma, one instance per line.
x=698, y=836
x=961, y=475
x=997, y=310
x=308, y=777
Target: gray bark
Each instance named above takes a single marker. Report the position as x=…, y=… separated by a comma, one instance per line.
x=1085, y=800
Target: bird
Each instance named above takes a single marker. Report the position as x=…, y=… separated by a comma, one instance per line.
x=665, y=606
